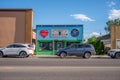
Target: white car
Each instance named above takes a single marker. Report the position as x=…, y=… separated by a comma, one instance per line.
x=114, y=53
x=17, y=49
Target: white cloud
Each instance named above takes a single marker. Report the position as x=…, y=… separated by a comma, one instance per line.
x=110, y=4
x=95, y=34
x=114, y=14
x=82, y=17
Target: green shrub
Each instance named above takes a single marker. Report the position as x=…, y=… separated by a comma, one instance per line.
x=98, y=45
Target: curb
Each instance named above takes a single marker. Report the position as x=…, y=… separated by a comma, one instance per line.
x=98, y=56
x=54, y=56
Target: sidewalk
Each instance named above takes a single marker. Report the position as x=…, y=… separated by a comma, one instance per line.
x=54, y=56
x=99, y=56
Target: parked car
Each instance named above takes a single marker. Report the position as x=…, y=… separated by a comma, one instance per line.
x=84, y=50
x=17, y=49
x=114, y=53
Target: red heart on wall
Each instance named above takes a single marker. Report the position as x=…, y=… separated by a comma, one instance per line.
x=44, y=33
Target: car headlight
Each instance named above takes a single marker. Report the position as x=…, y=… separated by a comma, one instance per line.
x=111, y=52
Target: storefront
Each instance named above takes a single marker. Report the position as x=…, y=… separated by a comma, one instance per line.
x=53, y=37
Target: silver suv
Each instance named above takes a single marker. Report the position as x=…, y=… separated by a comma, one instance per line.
x=17, y=49
x=114, y=53
x=84, y=50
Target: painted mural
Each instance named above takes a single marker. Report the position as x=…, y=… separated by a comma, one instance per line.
x=50, y=38
x=59, y=32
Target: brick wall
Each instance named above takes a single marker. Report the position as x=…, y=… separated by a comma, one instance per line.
x=15, y=26
x=115, y=34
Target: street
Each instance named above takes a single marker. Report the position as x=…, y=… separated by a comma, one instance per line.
x=59, y=69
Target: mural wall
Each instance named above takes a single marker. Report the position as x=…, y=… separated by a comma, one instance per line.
x=59, y=32
x=50, y=38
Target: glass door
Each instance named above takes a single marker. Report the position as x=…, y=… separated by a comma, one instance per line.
x=59, y=44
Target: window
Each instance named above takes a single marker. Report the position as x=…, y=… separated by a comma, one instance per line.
x=87, y=46
x=74, y=46
x=46, y=46
x=10, y=46
x=80, y=46
x=16, y=46
x=19, y=46
x=118, y=43
x=70, y=43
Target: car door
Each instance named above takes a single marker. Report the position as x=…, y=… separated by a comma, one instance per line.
x=9, y=50
x=72, y=50
x=12, y=49
x=80, y=49
x=16, y=49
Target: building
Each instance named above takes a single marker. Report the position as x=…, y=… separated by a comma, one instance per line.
x=53, y=37
x=34, y=36
x=15, y=26
x=115, y=36
x=112, y=40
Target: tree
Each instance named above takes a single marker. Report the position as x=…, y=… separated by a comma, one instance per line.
x=112, y=22
x=92, y=39
x=98, y=45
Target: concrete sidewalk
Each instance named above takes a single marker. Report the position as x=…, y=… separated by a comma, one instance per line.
x=99, y=56
x=54, y=56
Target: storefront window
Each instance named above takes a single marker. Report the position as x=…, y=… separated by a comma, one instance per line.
x=46, y=46
x=59, y=45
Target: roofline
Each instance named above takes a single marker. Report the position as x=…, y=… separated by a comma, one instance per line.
x=15, y=9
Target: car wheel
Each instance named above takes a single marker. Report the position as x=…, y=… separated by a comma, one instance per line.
x=87, y=55
x=63, y=55
x=1, y=54
x=23, y=54
x=117, y=55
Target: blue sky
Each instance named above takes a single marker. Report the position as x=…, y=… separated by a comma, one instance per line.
x=93, y=14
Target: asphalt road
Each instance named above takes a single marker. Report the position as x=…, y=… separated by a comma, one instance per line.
x=59, y=69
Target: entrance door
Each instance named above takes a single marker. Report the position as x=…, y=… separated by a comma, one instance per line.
x=59, y=44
